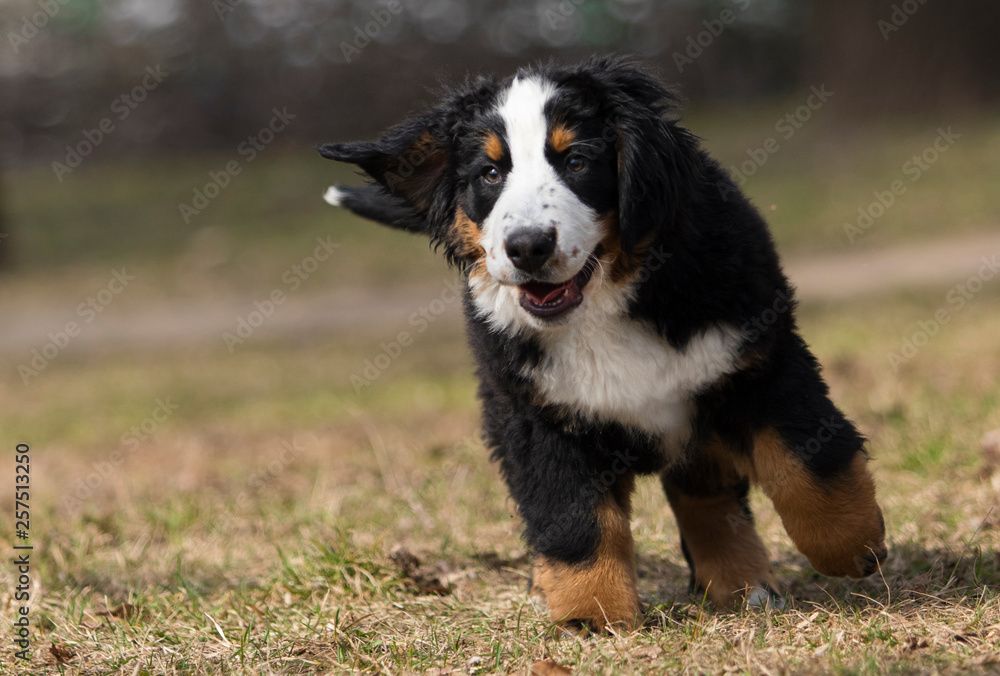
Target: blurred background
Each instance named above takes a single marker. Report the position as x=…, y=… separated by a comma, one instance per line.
x=162, y=229
x=180, y=86
x=209, y=362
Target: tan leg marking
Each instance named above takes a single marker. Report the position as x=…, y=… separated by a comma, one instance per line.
x=836, y=524
x=728, y=555
x=601, y=591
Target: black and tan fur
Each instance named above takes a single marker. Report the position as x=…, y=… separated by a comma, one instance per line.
x=629, y=316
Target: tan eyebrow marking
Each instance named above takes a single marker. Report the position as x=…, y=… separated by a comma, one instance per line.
x=493, y=146
x=561, y=137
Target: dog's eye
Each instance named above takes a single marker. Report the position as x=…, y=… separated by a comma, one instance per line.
x=575, y=163
x=491, y=175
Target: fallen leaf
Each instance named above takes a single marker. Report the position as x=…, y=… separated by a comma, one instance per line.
x=424, y=583
x=431, y=585
x=61, y=653
x=404, y=559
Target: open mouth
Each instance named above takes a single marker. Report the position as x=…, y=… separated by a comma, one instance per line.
x=551, y=300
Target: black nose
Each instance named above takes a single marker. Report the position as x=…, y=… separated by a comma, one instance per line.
x=529, y=248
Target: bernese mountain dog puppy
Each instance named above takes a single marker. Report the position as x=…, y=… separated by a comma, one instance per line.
x=629, y=316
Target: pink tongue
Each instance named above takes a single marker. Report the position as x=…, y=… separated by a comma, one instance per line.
x=542, y=293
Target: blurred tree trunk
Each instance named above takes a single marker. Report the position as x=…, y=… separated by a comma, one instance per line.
x=905, y=56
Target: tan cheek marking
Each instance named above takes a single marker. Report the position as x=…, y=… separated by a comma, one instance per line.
x=468, y=235
x=493, y=147
x=621, y=268
x=601, y=591
x=561, y=138
x=837, y=523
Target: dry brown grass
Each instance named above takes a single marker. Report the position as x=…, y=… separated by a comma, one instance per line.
x=384, y=542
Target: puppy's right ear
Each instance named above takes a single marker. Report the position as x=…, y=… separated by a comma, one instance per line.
x=411, y=165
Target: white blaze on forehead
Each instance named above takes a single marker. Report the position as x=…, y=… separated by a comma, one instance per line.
x=523, y=113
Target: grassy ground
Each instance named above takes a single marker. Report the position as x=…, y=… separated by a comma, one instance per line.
x=201, y=512
x=267, y=525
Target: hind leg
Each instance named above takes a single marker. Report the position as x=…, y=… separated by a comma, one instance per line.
x=728, y=561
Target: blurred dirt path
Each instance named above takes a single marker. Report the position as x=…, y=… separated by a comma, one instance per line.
x=845, y=275
x=385, y=312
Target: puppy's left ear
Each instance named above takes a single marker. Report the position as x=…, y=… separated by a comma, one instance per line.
x=411, y=165
x=658, y=161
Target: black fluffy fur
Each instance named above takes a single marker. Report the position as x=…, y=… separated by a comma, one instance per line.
x=722, y=269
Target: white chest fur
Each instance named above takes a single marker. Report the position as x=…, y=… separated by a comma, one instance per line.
x=616, y=369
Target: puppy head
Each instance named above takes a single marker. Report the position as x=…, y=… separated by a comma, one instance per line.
x=543, y=187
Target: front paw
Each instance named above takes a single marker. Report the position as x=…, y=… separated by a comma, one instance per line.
x=595, y=595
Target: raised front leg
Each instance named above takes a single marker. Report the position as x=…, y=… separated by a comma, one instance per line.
x=809, y=459
x=728, y=561
x=600, y=589
x=825, y=496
